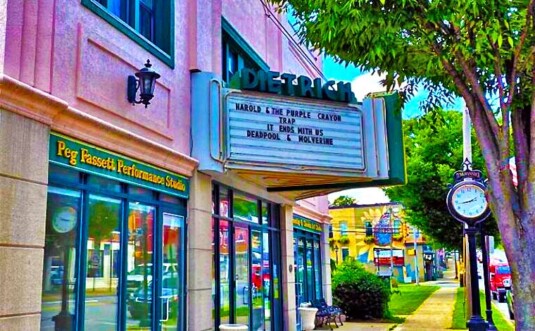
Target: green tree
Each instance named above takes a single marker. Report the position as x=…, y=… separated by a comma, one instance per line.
x=434, y=149
x=344, y=201
x=478, y=49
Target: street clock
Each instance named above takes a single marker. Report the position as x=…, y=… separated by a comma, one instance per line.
x=467, y=203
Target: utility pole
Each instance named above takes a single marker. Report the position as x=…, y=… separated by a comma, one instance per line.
x=391, y=243
x=467, y=158
x=415, y=236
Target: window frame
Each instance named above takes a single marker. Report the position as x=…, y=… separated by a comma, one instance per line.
x=275, y=258
x=82, y=237
x=231, y=39
x=136, y=36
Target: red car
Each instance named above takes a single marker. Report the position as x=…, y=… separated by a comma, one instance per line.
x=500, y=279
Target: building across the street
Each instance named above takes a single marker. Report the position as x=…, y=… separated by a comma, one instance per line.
x=378, y=236
x=164, y=165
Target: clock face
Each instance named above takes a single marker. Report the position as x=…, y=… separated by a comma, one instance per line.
x=64, y=219
x=469, y=201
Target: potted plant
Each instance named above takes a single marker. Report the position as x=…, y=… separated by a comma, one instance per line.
x=369, y=240
x=344, y=240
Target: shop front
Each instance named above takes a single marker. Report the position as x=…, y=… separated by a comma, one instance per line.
x=261, y=152
x=308, y=261
x=246, y=276
x=114, y=255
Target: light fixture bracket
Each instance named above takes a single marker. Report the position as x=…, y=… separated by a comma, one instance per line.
x=145, y=82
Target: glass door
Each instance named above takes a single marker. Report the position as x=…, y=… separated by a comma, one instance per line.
x=242, y=295
x=171, y=270
x=257, y=280
x=139, y=266
x=300, y=281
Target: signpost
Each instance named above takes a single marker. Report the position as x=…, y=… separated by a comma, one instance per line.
x=467, y=203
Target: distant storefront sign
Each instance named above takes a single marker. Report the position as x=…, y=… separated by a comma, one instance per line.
x=383, y=257
x=302, y=223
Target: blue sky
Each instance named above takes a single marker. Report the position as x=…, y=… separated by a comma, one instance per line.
x=364, y=83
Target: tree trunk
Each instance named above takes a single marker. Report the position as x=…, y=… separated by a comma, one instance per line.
x=514, y=210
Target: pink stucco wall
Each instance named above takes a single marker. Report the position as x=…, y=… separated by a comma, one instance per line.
x=63, y=48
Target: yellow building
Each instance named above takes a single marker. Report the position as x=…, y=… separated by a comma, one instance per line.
x=377, y=236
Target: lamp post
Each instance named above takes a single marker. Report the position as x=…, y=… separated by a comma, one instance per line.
x=485, y=257
x=415, y=236
x=467, y=203
x=336, y=253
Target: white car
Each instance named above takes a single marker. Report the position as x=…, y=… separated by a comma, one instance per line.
x=136, y=276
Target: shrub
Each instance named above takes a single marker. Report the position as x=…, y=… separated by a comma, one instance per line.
x=360, y=294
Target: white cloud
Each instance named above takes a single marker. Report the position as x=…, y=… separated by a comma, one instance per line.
x=363, y=196
x=366, y=83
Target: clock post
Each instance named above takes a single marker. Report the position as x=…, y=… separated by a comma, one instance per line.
x=467, y=203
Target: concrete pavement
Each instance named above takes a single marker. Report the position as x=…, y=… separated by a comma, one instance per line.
x=434, y=314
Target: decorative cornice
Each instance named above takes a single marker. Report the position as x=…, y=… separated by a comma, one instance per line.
x=312, y=214
x=28, y=101
x=33, y=103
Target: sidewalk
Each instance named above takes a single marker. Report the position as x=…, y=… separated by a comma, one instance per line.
x=436, y=312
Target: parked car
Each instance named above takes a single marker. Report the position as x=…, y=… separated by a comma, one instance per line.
x=140, y=301
x=136, y=276
x=500, y=279
x=510, y=302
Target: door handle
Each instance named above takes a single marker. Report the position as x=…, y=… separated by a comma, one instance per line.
x=164, y=305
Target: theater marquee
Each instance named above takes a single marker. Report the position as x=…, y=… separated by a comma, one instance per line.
x=295, y=132
x=296, y=135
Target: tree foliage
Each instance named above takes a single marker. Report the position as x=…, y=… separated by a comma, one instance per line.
x=434, y=149
x=480, y=50
x=344, y=201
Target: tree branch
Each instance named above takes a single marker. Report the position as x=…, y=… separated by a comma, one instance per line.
x=471, y=75
x=518, y=49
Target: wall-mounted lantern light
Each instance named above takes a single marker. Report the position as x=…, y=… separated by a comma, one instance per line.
x=145, y=82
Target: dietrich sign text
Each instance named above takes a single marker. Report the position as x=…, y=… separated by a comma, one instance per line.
x=297, y=86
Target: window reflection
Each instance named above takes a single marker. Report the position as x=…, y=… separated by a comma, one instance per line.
x=224, y=271
x=62, y=219
x=102, y=263
x=242, y=296
x=245, y=208
x=170, y=299
x=139, y=266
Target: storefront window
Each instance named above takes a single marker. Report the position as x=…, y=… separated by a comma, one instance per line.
x=245, y=208
x=245, y=284
x=139, y=265
x=104, y=251
x=170, y=286
x=59, y=267
x=307, y=256
x=224, y=271
x=100, y=284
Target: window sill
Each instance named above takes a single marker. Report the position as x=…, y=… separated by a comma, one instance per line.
x=133, y=34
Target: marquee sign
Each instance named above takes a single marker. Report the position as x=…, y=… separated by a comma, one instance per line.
x=296, y=133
